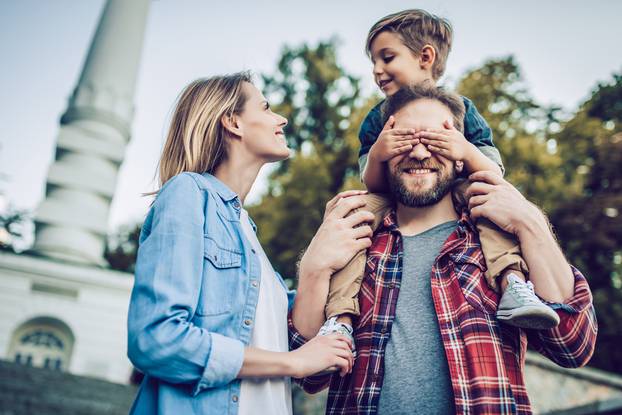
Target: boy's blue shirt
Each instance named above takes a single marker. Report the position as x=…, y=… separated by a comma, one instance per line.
x=476, y=130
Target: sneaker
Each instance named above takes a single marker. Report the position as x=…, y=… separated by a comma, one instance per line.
x=332, y=326
x=520, y=307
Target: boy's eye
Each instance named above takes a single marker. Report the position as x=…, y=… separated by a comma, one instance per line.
x=387, y=59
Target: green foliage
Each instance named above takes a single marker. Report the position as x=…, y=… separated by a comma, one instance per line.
x=317, y=96
x=590, y=225
x=520, y=128
x=122, y=248
x=12, y=224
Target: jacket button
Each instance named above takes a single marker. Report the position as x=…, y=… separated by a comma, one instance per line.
x=254, y=283
x=234, y=398
x=253, y=250
x=248, y=322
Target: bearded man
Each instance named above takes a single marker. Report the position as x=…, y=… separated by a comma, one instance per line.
x=427, y=338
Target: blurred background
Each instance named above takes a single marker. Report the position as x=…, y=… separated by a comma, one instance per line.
x=87, y=91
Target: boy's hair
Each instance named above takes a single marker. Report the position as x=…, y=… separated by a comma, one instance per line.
x=426, y=90
x=417, y=28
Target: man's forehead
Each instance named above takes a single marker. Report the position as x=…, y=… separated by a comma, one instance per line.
x=422, y=113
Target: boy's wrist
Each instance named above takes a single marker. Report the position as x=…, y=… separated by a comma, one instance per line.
x=470, y=155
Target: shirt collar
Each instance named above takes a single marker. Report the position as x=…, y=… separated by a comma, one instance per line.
x=463, y=245
x=222, y=189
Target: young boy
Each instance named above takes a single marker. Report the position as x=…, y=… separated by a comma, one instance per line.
x=408, y=48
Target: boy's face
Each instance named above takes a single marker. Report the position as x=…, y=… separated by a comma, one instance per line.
x=395, y=66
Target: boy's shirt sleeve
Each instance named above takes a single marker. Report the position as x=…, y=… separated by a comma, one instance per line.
x=478, y=132
x=368, y=134
x=476, y=129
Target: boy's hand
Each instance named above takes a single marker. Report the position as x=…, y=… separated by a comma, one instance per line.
x=448, y=142
x=392, y=142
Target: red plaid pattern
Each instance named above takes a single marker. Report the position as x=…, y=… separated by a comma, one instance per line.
x=486, y=359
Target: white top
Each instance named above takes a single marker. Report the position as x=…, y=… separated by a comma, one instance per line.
x=273, y=395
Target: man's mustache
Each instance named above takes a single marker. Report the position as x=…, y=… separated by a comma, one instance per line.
x=412, y=164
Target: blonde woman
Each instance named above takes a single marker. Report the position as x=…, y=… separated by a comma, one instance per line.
x=207, y=320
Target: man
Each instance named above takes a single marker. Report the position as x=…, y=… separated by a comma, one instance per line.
x=427, y=338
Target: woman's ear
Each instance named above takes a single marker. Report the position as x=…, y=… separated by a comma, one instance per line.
x=427, y=57
x=232, y=124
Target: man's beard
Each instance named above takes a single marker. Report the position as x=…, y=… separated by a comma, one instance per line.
x=442, y=184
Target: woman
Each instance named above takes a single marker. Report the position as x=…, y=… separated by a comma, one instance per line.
x=208, y=315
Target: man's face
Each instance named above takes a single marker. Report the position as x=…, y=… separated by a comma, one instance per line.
x=421, y=178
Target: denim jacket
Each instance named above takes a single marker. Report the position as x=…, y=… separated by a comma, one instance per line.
x=194, y=299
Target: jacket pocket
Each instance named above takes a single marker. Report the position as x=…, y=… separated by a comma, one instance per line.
x=221, y=257
x=221, y=278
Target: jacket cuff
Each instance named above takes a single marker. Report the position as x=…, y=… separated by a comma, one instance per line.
x=223, y=362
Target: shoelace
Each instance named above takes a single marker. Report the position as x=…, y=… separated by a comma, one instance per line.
x=524, y=291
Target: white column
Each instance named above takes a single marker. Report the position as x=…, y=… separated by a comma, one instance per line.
x=72, y=219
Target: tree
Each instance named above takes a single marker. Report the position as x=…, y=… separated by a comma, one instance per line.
x=520, y=129
x=589, y=225
x=122, y=248
x=317, y=96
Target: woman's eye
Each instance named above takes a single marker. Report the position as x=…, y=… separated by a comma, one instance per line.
x=388, y=59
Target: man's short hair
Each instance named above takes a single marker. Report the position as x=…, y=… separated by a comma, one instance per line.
x=426, y=90
x=417, y=28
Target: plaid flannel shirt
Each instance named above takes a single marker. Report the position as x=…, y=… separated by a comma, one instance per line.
x=486, y=359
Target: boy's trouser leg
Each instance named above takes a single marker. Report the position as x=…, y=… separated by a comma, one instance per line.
x=346, y=283
x=501, y=249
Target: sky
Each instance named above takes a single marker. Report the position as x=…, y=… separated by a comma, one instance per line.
x=564, y=48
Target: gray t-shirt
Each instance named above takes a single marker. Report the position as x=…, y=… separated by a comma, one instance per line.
x=416, y=375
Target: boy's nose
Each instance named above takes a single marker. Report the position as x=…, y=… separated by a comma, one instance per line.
x=377, y=69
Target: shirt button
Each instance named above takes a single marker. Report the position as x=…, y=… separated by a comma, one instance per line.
x=254, y=283
x=253, y=250
x=234, y=398
x=248, y=322
x=391, y=285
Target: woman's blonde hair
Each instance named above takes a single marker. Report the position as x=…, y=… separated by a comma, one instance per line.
x=196, y=138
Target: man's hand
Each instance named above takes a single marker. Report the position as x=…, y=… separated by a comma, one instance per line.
x=392, y=142
x=448, y=142
x=493, y=198
x=339, y=237
x=497, y=200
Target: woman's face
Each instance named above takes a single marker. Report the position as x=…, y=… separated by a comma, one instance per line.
x=262, y=129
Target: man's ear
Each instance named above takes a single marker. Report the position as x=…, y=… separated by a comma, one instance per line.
x=427, y=57
x=232, y=124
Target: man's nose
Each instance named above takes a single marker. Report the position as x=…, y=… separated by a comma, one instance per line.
x=420, y=152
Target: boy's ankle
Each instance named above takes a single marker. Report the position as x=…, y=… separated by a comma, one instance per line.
x=503, y=278
x=345, y=319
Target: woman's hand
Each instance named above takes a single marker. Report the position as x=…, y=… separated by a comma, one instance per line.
x=320, y=353
x=339, y=237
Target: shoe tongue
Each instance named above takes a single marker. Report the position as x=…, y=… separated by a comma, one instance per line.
x=513, y=278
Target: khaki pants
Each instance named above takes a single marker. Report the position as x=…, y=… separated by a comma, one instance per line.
x=501, y=251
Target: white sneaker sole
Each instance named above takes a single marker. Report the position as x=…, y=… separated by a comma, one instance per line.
x=530, y=317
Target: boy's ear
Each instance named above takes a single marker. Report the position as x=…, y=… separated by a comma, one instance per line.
x=231, y=124
x=427, y=57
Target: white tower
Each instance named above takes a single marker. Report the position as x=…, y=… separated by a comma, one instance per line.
x=71, y=222
x=59, y=309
